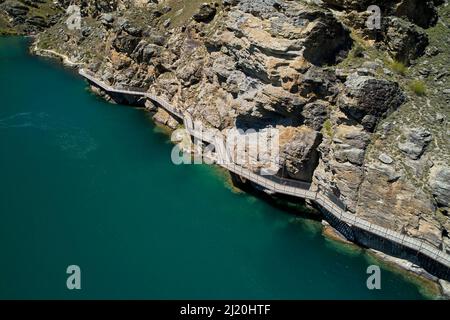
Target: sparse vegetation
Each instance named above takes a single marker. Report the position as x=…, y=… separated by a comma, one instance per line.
x=398, y=67
x=418, y=87
x=327, y=128
x=5, y=28
x=358, y=51
x=182, y=11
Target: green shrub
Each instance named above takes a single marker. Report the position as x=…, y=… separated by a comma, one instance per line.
x=418, y=87
x=398, y=67
x=327, y=128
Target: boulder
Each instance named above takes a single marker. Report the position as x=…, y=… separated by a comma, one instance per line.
x=144, y=52
x=260, y=8
x=421, y=12
x=190, y=73
x=384, y=158
x=239, y=84
x=404, y=40
x=150, y=51
x=107, y=19
x=300, y=154
x=439, y=181
x=328, y=39
x=315, y=114
x=350, y=144
x=205, y=13
x=163, y=117
x=279, y=101
x=132, y=30
x=415, y=142
x=352, y=155
x=125, y=43
x=367, y=99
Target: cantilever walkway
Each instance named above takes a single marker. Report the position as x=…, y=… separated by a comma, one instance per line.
x=133, y=92
x=283, y=187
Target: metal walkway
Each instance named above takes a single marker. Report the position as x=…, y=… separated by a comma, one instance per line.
x=283, y=186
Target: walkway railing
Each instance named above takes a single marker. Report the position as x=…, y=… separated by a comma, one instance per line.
x=287, y=186
x=129, y=91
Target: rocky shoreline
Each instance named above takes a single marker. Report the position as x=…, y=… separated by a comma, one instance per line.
x=363, y=113
x=53, y=54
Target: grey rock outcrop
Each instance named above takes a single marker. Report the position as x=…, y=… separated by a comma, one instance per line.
x=350, y=144
x=404, y=40
x=300, y=154
x=421, y=12
x=328, y=40
x=401, y=24
x=439, y=181
x=367, y=99
x=126, y=43
x=206, y=13
x=416, y=140
x=385, y=158
x=315, y=114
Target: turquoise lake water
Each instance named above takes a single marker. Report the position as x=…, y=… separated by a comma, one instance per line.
x=89, y=183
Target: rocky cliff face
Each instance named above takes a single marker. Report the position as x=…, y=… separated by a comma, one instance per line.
x=362, y=113
x=28, y=17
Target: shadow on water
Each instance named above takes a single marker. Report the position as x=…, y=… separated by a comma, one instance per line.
x=289, y=204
